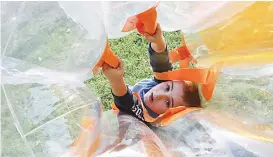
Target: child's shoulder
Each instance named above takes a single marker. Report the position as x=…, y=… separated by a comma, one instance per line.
x=146, y=83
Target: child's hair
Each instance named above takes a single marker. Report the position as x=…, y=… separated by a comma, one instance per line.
x=191, y=95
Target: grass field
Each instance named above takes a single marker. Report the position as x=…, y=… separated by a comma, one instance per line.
x=132, y=49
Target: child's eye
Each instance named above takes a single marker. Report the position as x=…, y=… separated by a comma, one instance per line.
x=168, y=103
x=167, y=88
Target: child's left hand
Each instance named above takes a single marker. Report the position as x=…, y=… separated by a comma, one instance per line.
x=157, y=40
x=114, y=75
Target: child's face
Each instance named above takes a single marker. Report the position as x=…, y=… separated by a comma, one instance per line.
x=165, y=95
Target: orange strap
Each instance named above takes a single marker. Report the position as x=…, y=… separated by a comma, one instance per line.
x=82, y=145
x=208, y=87
x=179, y=53
x=184, y=63
x=143, y=22
x=107, y=57
x=205, y=76
x=197, y=75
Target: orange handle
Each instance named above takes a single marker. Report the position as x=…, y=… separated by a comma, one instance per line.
x=108, y=57
x=147, y=21
x=143, y=22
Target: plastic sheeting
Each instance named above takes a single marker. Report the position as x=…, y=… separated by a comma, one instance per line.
x=186, y=16
x=49, y=48
x=42, y=34
x=245, y=38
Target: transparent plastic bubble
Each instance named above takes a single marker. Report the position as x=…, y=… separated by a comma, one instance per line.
x=49, y=49
x=42, y=34
x=44, y=120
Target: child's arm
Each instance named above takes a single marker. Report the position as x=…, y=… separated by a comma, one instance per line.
x=158, y=51
x=123, y=96
x=115, y=77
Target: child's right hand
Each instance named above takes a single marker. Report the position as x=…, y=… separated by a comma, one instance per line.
x=114, y=75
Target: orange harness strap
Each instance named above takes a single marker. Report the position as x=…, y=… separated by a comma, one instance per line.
x=182, y=55
x=189, y=74
x=83, y=145
x=179, y=53
x=207, y=77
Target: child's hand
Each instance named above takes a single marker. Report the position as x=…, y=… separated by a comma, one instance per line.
x=157, y=37
x=114, y=75
x=157, y=40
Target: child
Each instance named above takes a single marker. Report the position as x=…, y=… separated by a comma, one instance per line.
x=156, y=95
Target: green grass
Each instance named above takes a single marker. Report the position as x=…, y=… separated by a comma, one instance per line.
x=132, y=49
